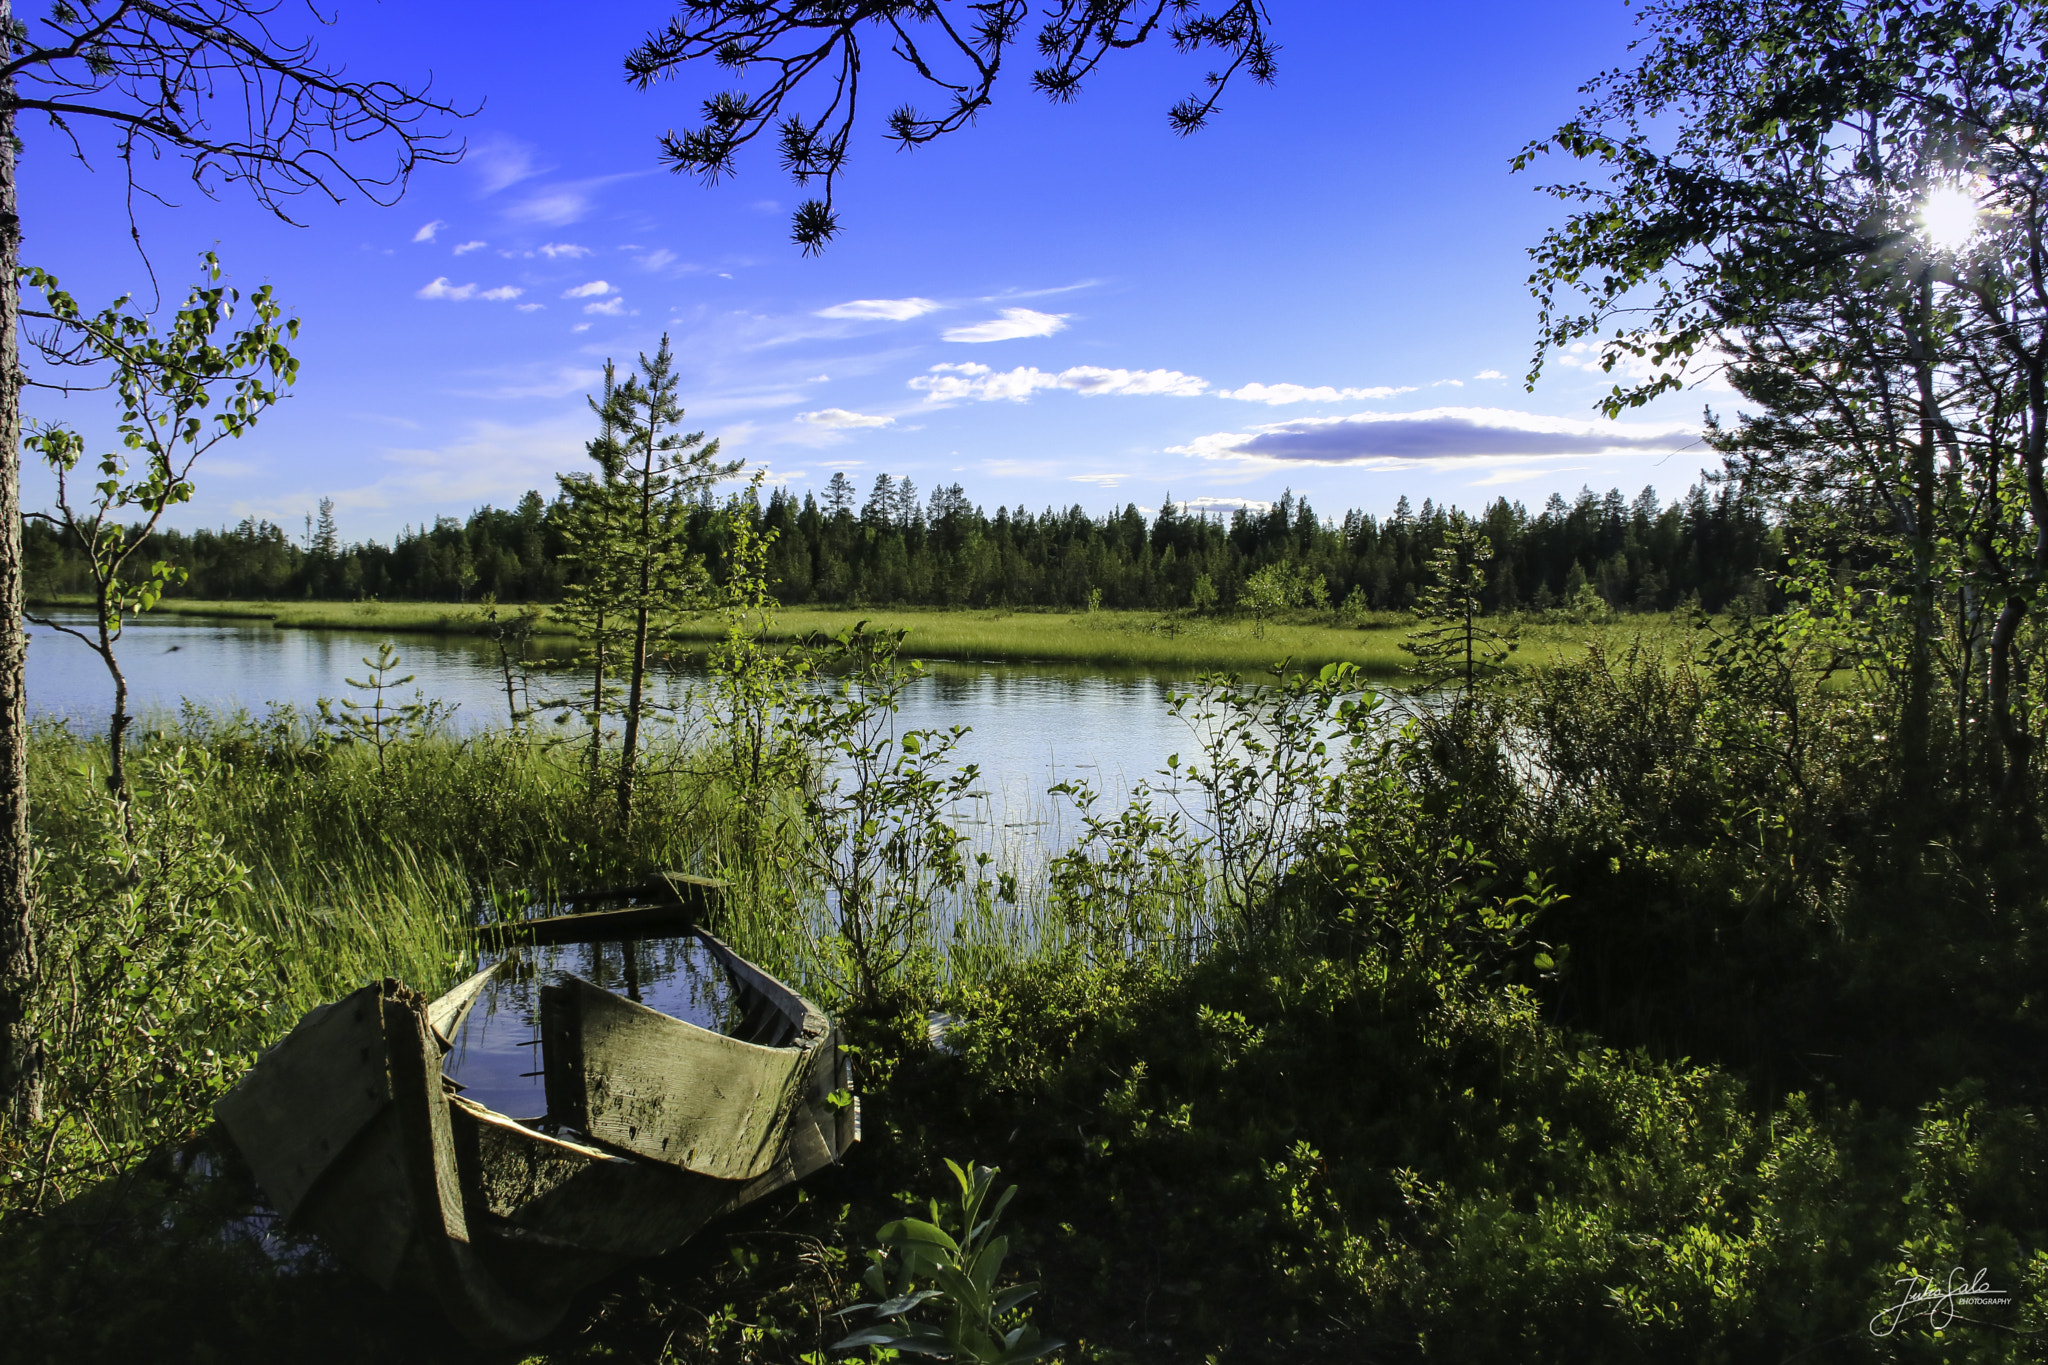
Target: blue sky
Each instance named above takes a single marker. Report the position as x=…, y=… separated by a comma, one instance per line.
x=1323, y=291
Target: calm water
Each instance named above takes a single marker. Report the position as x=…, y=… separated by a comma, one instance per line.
x=1033, y=725
x=496, y=1056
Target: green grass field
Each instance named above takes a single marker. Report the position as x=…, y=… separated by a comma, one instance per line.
x=1108, y=638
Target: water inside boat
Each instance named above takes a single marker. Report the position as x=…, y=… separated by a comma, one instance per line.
x=496, y=1054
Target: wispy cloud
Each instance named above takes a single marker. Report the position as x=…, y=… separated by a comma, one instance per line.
x=590, y=290
x=535, y=381
x=558, y=250
x=1438, y=437
x=611, y=307
x=500, y=162
x=1517, y=473
x=467, y=247
x=880, y=310
x=968, y=381
x=839, y=419
x=1489, y=374
x=1099, y=480
x=531, y=307
x=502, y=293
x=1215, y=504
x=1013, y=325
x=1278, y=394
x=658, y=259
x=563, y=203
x=426, y=232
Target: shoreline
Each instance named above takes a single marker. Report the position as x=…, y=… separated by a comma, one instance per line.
x=1107, y=637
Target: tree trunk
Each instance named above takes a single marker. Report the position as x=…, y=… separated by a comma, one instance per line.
x=20, y=1063
x=630, y=742
x=117, y=724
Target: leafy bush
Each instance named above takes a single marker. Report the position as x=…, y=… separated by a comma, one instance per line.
x=149, y=997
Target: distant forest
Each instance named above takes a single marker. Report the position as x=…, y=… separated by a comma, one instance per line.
x=898, y=549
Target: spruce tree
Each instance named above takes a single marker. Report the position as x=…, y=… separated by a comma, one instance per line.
x=653, y=472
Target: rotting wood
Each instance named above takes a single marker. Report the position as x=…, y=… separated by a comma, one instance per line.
x=309, y=1096
x=354, y=1132
x=671, y=1091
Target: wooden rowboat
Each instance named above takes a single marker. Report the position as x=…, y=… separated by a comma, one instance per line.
x=654, y=1125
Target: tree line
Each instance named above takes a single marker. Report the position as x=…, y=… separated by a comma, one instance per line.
x=897, y=547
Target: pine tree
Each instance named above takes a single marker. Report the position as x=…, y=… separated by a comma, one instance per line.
x=660, y=472
x=594, y=519
x=1452, y=643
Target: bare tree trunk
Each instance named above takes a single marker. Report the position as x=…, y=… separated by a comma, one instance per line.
x=632, y=738
x=630, y=744
x=117, y=724
x=20, y=1063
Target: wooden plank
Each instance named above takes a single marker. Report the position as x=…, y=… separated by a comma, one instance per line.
x=577, y=1197
x=669, y=1090
x=363, y=1210
x=640, y=921
x=808, y=1024
x=308, y=1097
x=481, y=1308
x=670, y=905
x=446, y=1014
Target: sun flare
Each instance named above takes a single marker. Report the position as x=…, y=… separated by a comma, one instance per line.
x=1948, y=215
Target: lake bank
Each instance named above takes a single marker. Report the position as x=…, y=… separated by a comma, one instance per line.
x=1168, y=641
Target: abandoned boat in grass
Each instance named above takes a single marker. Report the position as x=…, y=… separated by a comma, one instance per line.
x=358, y=1128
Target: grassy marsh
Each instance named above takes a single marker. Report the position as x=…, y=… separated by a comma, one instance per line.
x=1167, y=640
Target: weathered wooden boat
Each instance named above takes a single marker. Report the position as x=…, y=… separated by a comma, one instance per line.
x=654, y=1126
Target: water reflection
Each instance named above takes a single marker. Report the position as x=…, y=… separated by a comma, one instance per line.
x=1033, y=725
x=496, y=1057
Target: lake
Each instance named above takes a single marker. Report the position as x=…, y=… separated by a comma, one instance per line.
x=1032, y=726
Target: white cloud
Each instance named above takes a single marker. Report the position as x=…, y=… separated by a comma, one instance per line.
x=957, y=382
x=580, y=327
x=611, y=307
x=1488, y=374
x=468, y=247
x=440, y=288
x=500, y=162
x=839, y=419
x=881, y=310
x=587, y=291
x=1454, y=383
x=1705, y=370
x=1093, y=380
x=557, y=250
x=657, y=259
x=489, y=462
x=1436, y=438
x=1099, y=480
x=819, y=379
x=953, y=383
x=1277, y=394
x=1014, y=324
x=531, y=307
x=426, y=234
